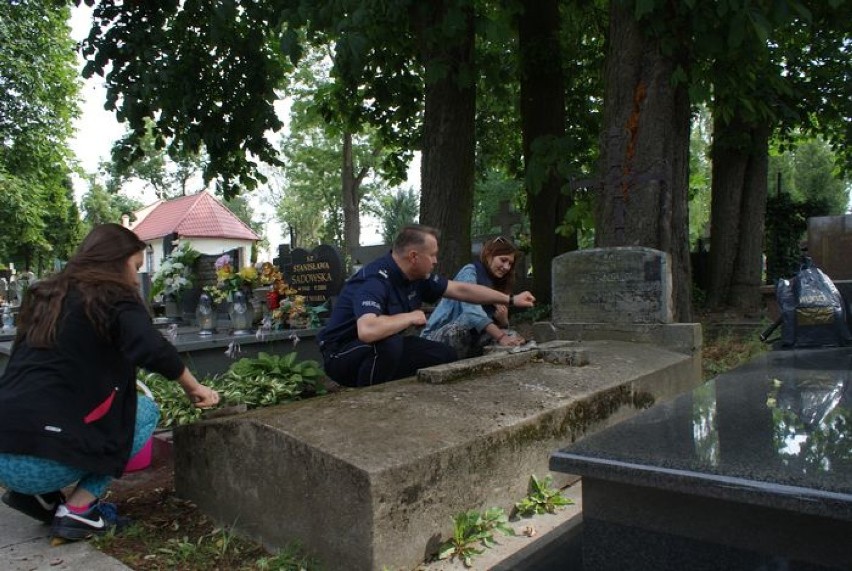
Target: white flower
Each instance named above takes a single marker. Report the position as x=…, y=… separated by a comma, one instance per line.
x=174, y=274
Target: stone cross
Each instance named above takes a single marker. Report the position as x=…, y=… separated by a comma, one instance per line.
x=505, y=219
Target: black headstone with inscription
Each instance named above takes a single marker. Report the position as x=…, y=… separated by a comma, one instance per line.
x=317, y=275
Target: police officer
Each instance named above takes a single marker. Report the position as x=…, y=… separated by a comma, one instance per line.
x=364, y=341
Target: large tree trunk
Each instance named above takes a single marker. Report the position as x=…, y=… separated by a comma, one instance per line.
x=644, y=148
x=351, y=199
x=447, y=168
x=679, y=247
x=543, y=115
x=748, y=265
x=738, y=213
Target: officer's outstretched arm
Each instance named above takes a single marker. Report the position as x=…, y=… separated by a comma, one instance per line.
x=373, y=327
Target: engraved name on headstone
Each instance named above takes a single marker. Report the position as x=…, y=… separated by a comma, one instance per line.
x=317, y=275
x=627, y=285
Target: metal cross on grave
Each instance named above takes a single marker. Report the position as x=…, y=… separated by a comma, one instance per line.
x=505, y=219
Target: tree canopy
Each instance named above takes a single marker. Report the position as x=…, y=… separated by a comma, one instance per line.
x=38, y=102
x=207, y=71
x=459, y=79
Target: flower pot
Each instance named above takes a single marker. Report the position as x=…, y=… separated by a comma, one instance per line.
x=260, y=292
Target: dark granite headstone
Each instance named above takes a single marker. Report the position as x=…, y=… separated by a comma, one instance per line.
x=750, y=471
x=317, y=275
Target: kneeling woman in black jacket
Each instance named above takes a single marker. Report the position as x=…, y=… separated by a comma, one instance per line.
x=69, y=409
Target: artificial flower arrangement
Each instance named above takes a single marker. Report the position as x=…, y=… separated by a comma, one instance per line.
x=217, y=296
x=288, y=308
x=175, y=273
x=296, y=313
x=229, y=281
x=268, y=274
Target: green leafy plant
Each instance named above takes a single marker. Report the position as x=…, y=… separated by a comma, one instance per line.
x=268, y=380
x=219, y=548
x=175, y=408
x=290, y=558
x=263, y=381
x=542, y=498
x=541, y=312
x=471, y=530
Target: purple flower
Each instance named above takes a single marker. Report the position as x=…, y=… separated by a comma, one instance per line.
x=223, y=260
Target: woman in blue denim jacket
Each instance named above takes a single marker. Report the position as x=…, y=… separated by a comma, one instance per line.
x=468, y=327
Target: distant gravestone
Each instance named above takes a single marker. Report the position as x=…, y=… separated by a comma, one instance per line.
x=612, y=285
x=505, y=218
x=204, y=274
x=830, y=244
x=205, y=267
x=317, y=275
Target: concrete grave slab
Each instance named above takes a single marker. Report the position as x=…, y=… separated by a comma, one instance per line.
x=684, y=338
x=371, y=478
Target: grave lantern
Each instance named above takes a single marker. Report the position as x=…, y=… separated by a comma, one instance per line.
x=8, y=319
x=241, y=314
x=205, y=316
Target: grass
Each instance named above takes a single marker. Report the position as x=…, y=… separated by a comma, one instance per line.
x=729, y=350
x=172, y=534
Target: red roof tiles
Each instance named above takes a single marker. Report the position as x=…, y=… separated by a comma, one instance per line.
x=198, y=215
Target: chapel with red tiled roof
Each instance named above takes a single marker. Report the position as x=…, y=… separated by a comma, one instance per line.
x=194, y=216
x=200, y=219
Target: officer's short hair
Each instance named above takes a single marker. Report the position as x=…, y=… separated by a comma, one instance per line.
x=412, y=235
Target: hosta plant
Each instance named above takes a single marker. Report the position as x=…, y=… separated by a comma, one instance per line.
x=255, y=382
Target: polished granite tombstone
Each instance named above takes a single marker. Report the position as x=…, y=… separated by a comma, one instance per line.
x=752, y=470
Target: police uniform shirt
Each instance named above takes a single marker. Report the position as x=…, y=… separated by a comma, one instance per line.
x=380, y=288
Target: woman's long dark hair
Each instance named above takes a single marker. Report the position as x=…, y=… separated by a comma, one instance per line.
x=97, y=271
x=500, y=246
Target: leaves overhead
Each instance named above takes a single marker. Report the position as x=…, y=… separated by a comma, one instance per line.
x=206, y=71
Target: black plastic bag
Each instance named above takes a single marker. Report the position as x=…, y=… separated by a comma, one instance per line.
x=812, y=310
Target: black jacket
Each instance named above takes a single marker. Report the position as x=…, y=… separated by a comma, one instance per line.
x=75, y=402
